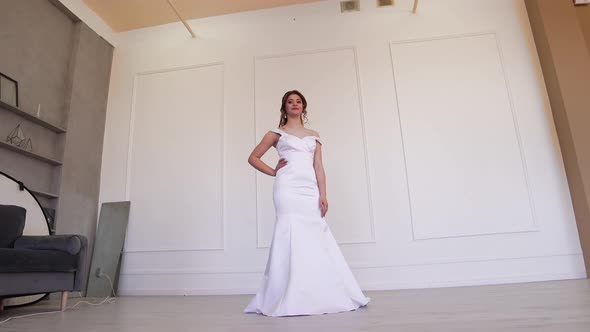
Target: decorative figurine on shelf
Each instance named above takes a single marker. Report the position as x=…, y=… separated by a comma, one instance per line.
x=17, y=138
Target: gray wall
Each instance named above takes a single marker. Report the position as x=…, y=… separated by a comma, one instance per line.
x=63, y=65
x=36, y=40
x=80, y=175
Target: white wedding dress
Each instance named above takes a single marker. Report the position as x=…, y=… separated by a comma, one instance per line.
x=306, y=273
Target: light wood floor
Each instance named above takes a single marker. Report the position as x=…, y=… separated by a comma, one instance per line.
x=558, y=306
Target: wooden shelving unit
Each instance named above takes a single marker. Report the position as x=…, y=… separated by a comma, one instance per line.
x=30, y=154
x=44, y=194
x=34, y=155
x=32, y=118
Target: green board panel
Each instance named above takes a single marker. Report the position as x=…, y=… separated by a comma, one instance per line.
x=108, y=247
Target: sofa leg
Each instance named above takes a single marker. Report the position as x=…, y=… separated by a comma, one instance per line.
x=1, y=305
x=64, y=301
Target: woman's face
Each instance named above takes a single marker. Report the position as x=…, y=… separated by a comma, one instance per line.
x=294, y=105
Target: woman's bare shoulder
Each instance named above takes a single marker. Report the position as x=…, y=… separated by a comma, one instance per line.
x=314, y=133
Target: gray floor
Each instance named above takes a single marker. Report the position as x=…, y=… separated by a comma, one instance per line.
x=546, y=306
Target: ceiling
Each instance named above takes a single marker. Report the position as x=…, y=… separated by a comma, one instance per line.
x=125, y=15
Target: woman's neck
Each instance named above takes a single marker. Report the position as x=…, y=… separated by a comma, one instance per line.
x=294, y=123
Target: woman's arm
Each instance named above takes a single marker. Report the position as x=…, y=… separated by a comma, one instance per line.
x=266, y=143
x=320, y=175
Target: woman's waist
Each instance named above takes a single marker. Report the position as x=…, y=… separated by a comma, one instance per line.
x=294, y=154
x=297, y=168
x=298, y=162
x=296, y=174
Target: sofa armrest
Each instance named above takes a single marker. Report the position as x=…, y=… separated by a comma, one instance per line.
x=83, y=265
x=76, y=245
x=71, y=244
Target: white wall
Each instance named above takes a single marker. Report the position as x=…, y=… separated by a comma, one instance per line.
x=441, y=156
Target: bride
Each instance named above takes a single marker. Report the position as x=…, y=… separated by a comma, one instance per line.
x=306, y=273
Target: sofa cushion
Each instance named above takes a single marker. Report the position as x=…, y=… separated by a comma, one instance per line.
x=12, y=224
x=25, y=260
x=66, y=243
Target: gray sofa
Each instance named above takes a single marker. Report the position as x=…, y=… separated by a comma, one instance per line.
x=38, y=264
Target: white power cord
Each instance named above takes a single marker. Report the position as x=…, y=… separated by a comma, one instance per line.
x=108, y=299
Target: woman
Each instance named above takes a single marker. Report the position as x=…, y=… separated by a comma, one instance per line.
x=306, y=273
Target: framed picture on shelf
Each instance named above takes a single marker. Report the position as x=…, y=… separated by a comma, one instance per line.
x=8, y=90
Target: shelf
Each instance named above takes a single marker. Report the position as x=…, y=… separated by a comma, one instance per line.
x=32, y=118
x=44, y=194
x=28, y=153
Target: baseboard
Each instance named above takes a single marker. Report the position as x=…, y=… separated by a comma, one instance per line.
x=452, y=274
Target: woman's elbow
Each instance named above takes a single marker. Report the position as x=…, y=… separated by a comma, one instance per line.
x=251, y=160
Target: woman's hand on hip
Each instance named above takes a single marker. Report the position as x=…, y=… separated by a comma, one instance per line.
x=280, y=164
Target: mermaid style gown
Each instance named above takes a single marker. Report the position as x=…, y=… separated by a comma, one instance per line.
x=306, y=273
